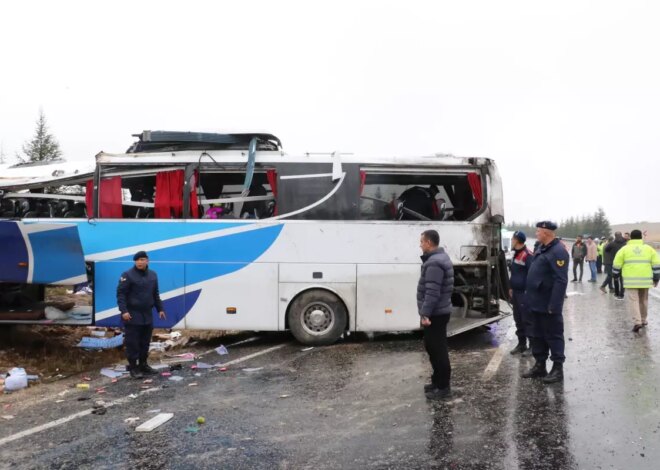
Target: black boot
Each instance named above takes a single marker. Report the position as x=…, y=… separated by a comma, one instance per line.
x=134, y=371
x=556, y=374
x=521, y=348
x=537, y=371
x=439, y=393
x=146, y=368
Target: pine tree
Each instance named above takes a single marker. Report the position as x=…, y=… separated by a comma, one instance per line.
x=601, y=225
x=43, y=146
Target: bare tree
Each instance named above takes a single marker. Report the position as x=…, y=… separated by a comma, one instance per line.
x=43, y=146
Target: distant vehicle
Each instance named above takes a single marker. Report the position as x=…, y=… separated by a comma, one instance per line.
x=247, y=237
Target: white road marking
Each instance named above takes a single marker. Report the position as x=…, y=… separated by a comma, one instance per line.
x=120, y=401
x=495, y=361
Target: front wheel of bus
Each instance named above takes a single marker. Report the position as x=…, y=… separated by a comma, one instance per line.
x=317, y=317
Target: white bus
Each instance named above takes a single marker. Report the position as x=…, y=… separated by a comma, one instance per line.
x=244, y=236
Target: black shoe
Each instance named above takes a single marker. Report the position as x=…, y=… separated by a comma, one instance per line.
x=521, y=348
x=556, y=374
x=428, y=387
x=147, y=369
x=636, y=328
x=439, y=393
x=135, y=373
x=537, y=371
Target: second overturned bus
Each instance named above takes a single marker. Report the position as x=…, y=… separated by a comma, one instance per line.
x=244, y=236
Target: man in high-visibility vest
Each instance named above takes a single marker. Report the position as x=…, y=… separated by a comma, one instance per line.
x=639, y=264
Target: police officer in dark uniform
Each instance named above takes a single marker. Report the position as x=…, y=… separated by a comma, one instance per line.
x=137, y=295
x=546, y=289
x=522, y=260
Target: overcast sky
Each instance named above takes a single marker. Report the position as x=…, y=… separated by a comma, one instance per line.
x=565, y=96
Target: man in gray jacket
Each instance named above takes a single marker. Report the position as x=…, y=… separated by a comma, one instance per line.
x=434, y=290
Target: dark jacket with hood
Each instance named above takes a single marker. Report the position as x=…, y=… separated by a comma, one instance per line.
x=612, y=248
x=137, y=294
x=436, y=284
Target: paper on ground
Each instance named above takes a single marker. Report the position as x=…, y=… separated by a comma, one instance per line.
x=154, y=422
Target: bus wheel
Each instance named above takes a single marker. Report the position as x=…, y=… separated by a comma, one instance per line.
x=317, y=317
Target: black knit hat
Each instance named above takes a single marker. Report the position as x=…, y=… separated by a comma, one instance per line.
x=140, y=254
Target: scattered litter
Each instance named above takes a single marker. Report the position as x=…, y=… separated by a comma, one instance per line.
x=166, y=374
x=197, y=374
x=114, y=381
x=154, y=422
x=154, y=411
x=203, y=365
x=32, y=378
x=88, y=342
x=61, y=394
x=160, y=366
x=133, y=395
x=308, y=349
x=252, y=369
x=82, y=386
x=8, y=417
x=98, y=333
x=192, y=384
x=16, y=379
x=185, y=356
x=285, y=396
x=144, y=387
x=201, y=420
x=100, y=391
x=223, y=369
x=87, y=379
x=131, y=420
x=192, y=429
x=121, y=368
x=175, y=378
x=59, y=401
x=157, y=347
x=110, y=373
x=221, y=350
x=148, y=381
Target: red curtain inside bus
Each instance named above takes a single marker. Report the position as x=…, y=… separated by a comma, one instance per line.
x=169, y=195
x=363, y=179
x=110, y=198
x=474, y=180
x=272, y=181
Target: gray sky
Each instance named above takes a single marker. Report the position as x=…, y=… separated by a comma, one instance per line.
x=565, y=96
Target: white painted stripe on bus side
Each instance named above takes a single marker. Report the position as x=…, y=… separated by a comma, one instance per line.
x=299, y=177
x=28, y=246
x=118, y=253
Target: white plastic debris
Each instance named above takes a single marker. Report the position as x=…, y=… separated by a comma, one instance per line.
x=221, y=350
x=252, y=369
x=154, y=422
x=131, y=420
x=16, y=379
x=175, y=378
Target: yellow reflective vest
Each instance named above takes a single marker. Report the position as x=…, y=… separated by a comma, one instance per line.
x=601, y=247
x=638, y=263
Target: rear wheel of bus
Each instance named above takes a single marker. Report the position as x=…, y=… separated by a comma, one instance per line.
x=317, y=317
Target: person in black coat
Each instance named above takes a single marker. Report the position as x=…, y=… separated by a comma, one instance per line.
x=137, y=295
x=434, y=290
x=609, y=253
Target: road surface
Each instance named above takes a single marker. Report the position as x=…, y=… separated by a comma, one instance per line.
x=359, y=404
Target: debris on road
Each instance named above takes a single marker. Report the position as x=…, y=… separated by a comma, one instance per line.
x=192, y=384
x=154, y=422
x=166, y=374
x=82, y=386
x=308, y=349
x=192, y=429
x=201, y=420
x=221, y=350
x=8, y=417
x=131, y=420
x=202, y=365
x=285, y=396
x=87, y=342
x=111, y=373
x=16, y=379
x=252, y=369
x=175, y=378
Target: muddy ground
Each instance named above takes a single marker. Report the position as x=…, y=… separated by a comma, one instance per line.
x=359, y=404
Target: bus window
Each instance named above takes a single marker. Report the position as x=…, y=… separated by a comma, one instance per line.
x=220, y=195
x=420, y=196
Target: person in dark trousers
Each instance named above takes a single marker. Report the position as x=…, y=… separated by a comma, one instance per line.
x=609, y=253
x=578, y=253
x=522, y=260
x=546, y=290
x=434, y=290
x=607, y=268
x=137, y=295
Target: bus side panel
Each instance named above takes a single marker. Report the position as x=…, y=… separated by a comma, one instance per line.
x=249, y=289
x=386, y=297
x=170, y=278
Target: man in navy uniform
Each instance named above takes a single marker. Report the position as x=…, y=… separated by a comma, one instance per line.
x=137, y=295
x=546, y=289
x=522, y=260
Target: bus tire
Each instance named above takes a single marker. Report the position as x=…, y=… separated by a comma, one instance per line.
x=317, y=317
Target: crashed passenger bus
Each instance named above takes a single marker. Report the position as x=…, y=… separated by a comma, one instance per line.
x=244, y=236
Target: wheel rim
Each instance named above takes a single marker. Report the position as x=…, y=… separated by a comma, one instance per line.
x=318, y=318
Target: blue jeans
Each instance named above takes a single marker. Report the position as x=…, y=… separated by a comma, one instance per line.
x=592, y=267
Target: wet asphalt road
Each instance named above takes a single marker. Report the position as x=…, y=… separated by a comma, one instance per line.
x=359, y=404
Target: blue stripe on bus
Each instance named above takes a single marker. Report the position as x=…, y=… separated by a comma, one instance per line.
x=203, y=260
x=109, y=235
x=176, y=308
x=57, y=255
x=14, y=251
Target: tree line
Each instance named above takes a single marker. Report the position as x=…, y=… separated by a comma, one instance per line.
x=42, y=147
x=596, y=225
